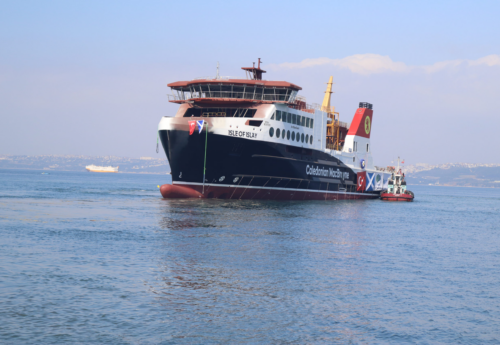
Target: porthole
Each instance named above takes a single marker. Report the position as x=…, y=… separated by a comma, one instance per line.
x=307, y=138
x=302, y=137
x=288, y=135
x=311, y=139
x=293, y=136
x=298, y=136
x=271, y=132
x=277, y=133
x=283, y=134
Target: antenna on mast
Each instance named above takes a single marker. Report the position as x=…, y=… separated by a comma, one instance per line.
x=255, y=72
x=217, y=77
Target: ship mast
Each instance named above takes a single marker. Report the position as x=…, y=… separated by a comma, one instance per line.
x=256, y=73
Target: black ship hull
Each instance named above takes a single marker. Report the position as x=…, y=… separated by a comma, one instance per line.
x=239, y=168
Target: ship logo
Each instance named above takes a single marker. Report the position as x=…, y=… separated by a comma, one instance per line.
x=367, y=125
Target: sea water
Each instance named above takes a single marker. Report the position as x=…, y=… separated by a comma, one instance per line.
x=102, y=258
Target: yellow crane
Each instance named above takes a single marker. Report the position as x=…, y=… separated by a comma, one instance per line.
x=332, y=126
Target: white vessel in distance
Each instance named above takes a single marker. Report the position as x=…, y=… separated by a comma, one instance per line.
x=95, y=168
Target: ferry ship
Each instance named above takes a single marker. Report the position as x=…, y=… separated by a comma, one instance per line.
x=95, y=168
x=258, y=139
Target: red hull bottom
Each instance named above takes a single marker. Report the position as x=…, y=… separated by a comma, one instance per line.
x=170, y=191
x=396, y=197
x=227, y=192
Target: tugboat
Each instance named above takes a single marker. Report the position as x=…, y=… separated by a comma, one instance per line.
x=396, y=190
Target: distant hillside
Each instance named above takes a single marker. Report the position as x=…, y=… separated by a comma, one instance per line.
x=144, y=165
x=457, y=176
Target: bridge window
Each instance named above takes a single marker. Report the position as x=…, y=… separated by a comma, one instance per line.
x=311, y=123
x=288, y=117
x=240, y=91
x=220, y=112
x=307, y=122
x=278, y=115
x=299, y=120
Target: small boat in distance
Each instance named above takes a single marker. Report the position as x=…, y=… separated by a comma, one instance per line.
x=396, y=190
x=95, y=168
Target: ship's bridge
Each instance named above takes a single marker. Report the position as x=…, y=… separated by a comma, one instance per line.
x=227, y=90
x=233, y=90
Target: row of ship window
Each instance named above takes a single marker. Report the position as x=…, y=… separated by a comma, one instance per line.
x=294, y=119
x=281, y=133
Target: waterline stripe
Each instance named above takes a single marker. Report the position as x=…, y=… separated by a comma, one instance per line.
x=275, y=188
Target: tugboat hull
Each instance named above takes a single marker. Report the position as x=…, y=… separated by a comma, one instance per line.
x=396, y=197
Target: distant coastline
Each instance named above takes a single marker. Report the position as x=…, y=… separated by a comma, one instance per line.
x=455, y=175
x=142, y=165
x=446, y=175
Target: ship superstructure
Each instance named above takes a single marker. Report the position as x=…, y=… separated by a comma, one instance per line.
x=257, y=139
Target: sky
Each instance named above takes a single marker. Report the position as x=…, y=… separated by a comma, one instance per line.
x=90, y=77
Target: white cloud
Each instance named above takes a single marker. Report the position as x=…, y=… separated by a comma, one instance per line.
x=373, y=63
x=490, y=60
